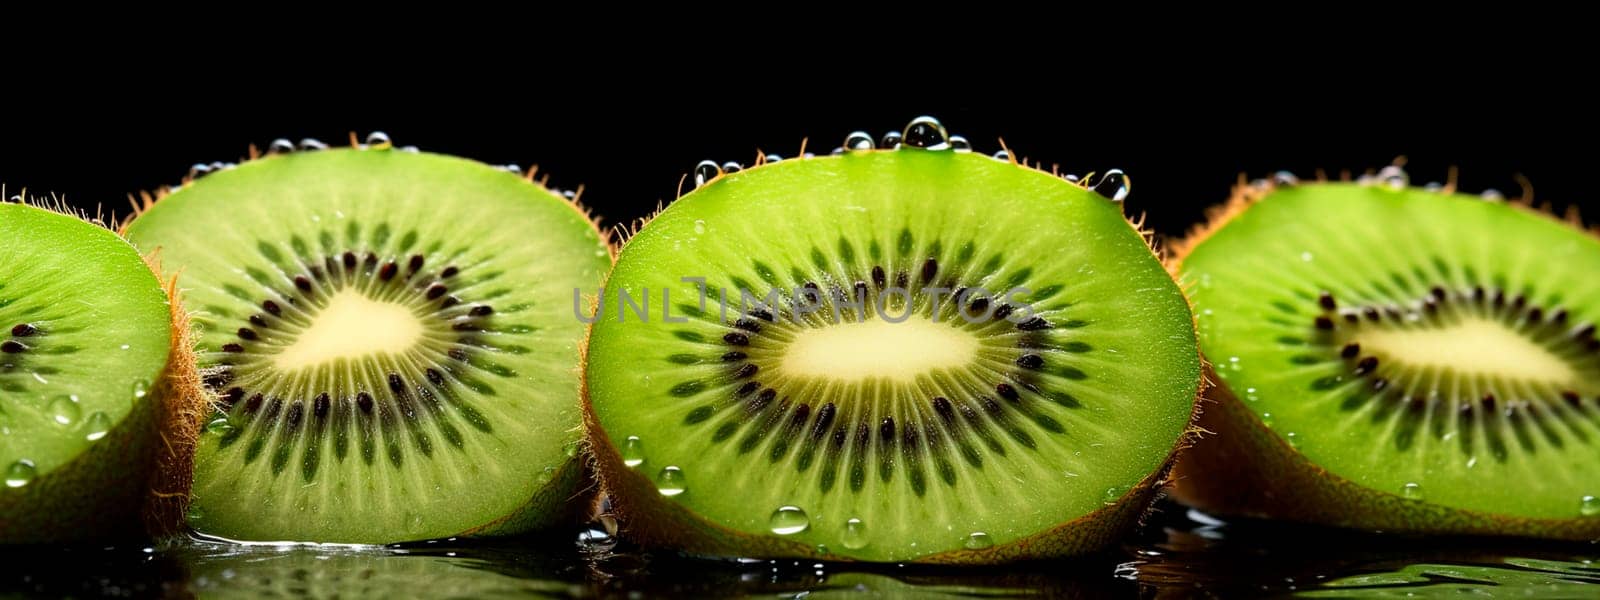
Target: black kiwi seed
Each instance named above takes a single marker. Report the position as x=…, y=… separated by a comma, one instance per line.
x=23, y=330
x=12, y=347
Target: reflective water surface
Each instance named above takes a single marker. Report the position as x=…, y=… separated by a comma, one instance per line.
x=1176, y=554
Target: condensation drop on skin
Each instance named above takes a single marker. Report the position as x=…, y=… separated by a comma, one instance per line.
x=633, y=451
x=1002, y=155
x=379, y=140
x=699, y=226
x=99, y=424
x=1589, y=506
x=670, y=481
x=1394, y=178
x=858, y=140
x=1266, y=420
x=705, y=172
x=140, y=389
x=219, y=426
x=1411, y=491
x=1114, y=185
x=978, y=541
x=20, y=473
x=65, y=411
x=926, y=133
x=1292, y=438
x=788, y=520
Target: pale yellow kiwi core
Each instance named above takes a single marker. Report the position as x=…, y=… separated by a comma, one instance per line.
x=878, y=348
x=352, y=326
x=1476, y=346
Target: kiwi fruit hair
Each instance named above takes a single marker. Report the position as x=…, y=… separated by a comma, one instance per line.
x=1396, y=358
x=95, y=371
x=389, y=338
x=887, y=399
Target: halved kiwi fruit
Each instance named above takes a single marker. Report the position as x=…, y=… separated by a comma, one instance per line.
x=87, y=359
x=962, y=360
x=392, y=339
x=1397, y=358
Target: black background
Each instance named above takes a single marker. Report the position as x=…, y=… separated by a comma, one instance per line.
x=1184, y=138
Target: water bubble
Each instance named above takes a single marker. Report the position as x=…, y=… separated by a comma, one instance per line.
x=977, y=541
x=927, y=133
x=858, y=140
x=512, y=168
x=633, y=451
x=772, y=158
x=221, y=166
x=837, y=150
x=199, y=169
x=706, y=171
x=1292, y=438
x=1070, y=177
x=1433, y=186
x=411, y=149
x=1492, y=194
x=1114, y=185
x=890, y=140
x=311, y=144
x=1113, y=494
x=1266, y=420
x=97, y=426
x=699, y=225
x=1002, y=155
x=731, y=167
x=788, y=520
x=20, y=473
x=219, y=426
x=1366, y=179
x=960, y=144
x=1285, y=179
x=1589, y=506
x=379, y=140
x=855, y=534
x=65, y=410
x=140, y=389
x=1411, y=491
x=280, y=146
x=15, y=199
x=670, y=481
x=1394, y=177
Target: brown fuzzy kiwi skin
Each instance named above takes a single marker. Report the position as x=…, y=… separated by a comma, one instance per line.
x=1240, y=467
x=114, y=490
x=649, y=519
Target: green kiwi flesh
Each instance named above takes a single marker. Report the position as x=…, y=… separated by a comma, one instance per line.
x=84, y=340
x=888, y=432
x=391, y=340
x=1401, y=359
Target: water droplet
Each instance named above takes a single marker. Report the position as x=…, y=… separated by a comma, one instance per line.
x=670, y=481
x=1114, y=185
x=595, y=540
x=706, y=171
x=1589, y=506
x=97, y=426
x=788, y=520
x=1113, y=494
x=411, y=149
x=855, y=535
x=699, y=226
x=140, y=389
x=1394, y=177
x=65, y=410
x=890, y=140
x=20, y=473
x=977, y=541
x=1002, y=155
x=858, y=140
x=960, y=144
x=927, y=133
x=1307, y=257
x=633, y=451
x=512, y=168
x=311, y=144
x=379, y=140
x=1266, y=420
x=219, y=426
x=1411, y=491
x=280, y=146
x=1285, y=179
x=1292, y=438
x=199, y=169
x=731, y=167
x=1433, y=186
x=1492, y=194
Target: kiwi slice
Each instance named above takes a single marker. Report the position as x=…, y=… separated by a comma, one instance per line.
x=961, y=359
x=391, y=338
x=1398, y=358
x=85, y=348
